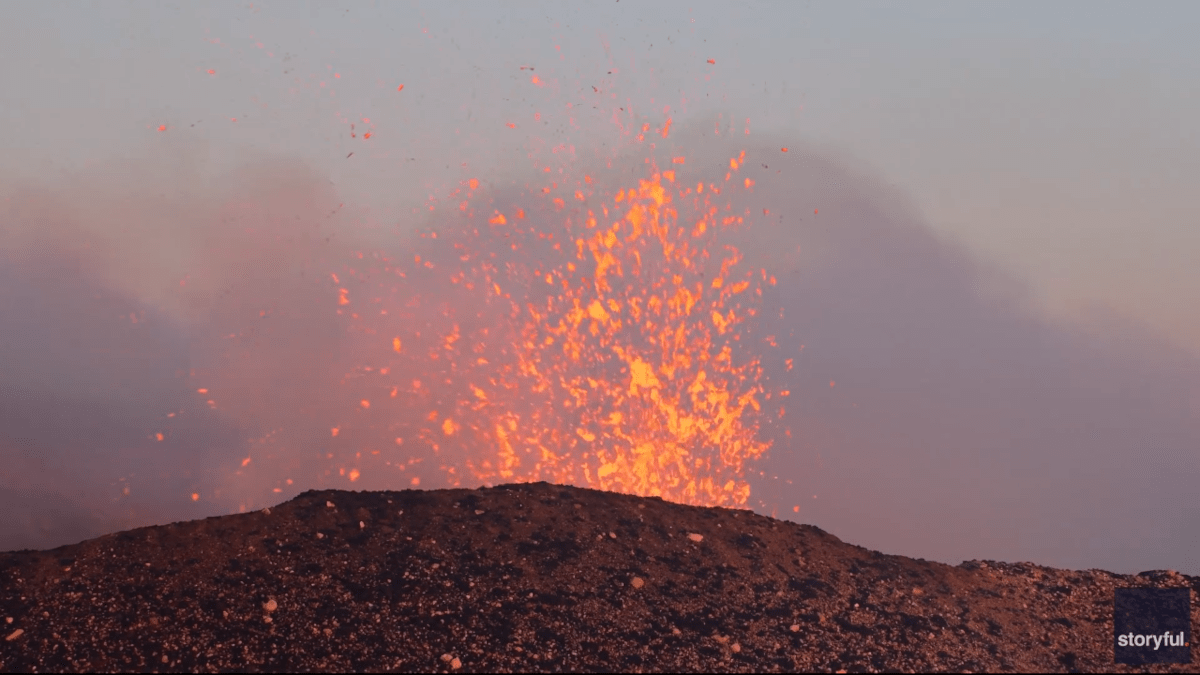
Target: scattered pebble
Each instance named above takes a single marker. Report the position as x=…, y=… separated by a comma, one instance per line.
x=329, y=504
x=805, y=653
x=361, y=525
x=267, y=511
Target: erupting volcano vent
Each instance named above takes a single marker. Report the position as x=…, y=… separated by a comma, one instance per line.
x=569, y=334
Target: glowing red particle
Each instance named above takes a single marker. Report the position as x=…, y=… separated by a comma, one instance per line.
x=511, y=125
x=814, y=212
x=400, y=88
x=211, y=71
x=366, y=135
x=712, y=61
x=162, y=127
x=783, y=149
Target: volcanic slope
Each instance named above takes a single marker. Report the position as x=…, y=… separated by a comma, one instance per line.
x=536, y=577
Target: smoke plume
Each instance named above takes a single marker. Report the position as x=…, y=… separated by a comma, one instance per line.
x=933, y=412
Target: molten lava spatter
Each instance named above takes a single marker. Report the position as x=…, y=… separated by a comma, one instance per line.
x=599, y=340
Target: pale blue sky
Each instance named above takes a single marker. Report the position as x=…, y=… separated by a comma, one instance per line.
x=1057, y=141
x=1057, y=138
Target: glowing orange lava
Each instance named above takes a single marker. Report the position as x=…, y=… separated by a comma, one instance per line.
x=595, y=340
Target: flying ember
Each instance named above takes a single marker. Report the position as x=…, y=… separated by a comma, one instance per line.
x=573, y=335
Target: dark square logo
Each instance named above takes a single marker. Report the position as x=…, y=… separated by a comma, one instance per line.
x=1152, y=625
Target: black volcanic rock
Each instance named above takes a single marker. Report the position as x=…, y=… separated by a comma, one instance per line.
x=536, y=577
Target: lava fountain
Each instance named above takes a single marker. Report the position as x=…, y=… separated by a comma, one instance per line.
x=569, y=332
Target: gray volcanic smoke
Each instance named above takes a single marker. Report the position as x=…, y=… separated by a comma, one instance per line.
x=932, y=413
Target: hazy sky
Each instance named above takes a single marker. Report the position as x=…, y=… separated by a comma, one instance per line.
x=1059, y=139
x=976, y=160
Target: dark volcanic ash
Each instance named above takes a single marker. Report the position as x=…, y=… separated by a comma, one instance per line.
x=538, y=577
x=932, y=412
